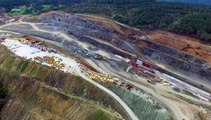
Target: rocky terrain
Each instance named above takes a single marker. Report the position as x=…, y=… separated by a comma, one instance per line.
x=189, y=56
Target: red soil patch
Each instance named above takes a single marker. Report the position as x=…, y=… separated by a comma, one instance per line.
x=181, y=43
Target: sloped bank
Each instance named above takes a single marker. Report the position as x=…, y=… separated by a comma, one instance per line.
x=33, y=100
x=143, y=104
x=24, y=80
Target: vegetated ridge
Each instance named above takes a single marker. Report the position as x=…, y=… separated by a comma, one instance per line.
x=190, y=1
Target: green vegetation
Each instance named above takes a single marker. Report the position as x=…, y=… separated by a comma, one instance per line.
x=23, y=65
x=18, y=11
x=47, y=7
x=189, y=19
x=3, y=94
x=191, y=1
x=196, y=24
x=7, y=64
x=99, y=115
x=3, y=91
x=143, y=105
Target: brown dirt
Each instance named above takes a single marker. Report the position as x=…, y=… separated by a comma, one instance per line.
x=208, y=117
x=5, y=16
x=181, y=43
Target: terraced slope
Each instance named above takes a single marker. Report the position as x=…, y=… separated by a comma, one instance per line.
x=181, y=55
x=38, y=92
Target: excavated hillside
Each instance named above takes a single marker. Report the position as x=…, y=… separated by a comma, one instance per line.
x=183, y=56
x=37, y=92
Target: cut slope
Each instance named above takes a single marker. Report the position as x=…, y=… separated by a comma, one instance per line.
x=14, y=68
x=35, y=101
x=181, y=43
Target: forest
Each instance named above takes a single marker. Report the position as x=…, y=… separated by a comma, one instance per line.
x=191, y=1
x=188, y=19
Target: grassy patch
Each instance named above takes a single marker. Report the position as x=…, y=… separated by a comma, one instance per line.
x=46, y=7
x=8, y=63
x=23, y=65
x=99, y=115
x=18, y=11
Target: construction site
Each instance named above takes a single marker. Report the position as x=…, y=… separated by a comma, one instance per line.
x=33, y=49
x=189, y=57
x=127, y=61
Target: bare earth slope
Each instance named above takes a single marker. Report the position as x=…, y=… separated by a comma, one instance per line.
x=181, y=43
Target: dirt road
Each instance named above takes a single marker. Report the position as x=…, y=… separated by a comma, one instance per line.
x=169, y=103
x=121, y=102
